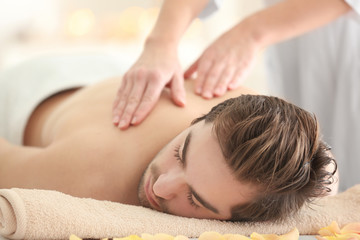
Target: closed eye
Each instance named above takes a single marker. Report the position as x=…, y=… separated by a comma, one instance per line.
x=177, y=154
x=182, y=158
x=191, y=200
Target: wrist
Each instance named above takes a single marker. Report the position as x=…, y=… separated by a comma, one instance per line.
x=162, y=42
x=254, y=30
x=258, y=31
x=160, y=49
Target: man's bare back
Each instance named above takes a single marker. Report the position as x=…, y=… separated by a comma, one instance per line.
x=73, y=147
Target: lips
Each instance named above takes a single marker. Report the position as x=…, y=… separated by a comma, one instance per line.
x=150, y=194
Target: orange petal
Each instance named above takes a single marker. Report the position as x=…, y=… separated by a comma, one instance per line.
x=351, y=228
x=348, y=236
x=292, y=235
x=321, y=238
x=211, y=236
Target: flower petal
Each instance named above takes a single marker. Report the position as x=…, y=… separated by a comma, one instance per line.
x=235, y=237
x=292, y=235
x=330, y=230
x=211, y=236
x=351, y=228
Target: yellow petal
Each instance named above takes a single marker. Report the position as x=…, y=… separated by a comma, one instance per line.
x=131, y=237
x=211, y=236
x=163, y=236
x=257, y=236
x=181, y=237
x=235, y=237
x=330, y=230
x=147, y=236
x=73, y=237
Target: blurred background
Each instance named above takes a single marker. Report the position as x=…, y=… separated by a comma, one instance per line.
x=42, y=27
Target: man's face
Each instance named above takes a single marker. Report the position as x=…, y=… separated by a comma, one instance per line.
x=189, y=177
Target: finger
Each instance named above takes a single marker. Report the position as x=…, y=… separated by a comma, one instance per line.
x=203, y=67
x=123, y=96
x=223, y=82
x=236, y=79
x=190, y=71
x=150, y=97
x=119, y=93
x=178, y=93
x=132, y=102
x=211, y=79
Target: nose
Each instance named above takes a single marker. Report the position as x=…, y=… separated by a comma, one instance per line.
x=169, y=185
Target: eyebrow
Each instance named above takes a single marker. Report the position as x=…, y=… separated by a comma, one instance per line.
x=203, y=202
x=185, y=148
x=193, y=192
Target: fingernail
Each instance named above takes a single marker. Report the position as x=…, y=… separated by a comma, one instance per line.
x=218, y=91
x=122, y=124
x=207, y=94
x=182, y=100
x=116, y=120
x=232, y=86
x=133, y=121
x=198, y=90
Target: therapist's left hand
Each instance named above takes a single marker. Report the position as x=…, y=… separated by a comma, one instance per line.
x=225, y=63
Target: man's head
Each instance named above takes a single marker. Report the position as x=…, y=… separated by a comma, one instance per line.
x=250, y=158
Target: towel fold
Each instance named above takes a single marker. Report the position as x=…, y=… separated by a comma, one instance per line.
x=44, y=214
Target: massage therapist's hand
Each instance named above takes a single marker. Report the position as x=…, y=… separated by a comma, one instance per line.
x=224, y=64
x=157, y=67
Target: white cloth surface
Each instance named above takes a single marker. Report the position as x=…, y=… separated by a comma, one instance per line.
x=210, y=8
x=320, y=71
x=24, y=87
x=355, y=4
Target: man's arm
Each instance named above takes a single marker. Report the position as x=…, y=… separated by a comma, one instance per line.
x=12, y=162
x=73, y=165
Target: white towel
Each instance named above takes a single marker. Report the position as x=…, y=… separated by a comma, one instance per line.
x=44, y=214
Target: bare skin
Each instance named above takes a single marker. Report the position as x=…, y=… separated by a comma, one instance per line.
x=223, y=65
x=71, y=145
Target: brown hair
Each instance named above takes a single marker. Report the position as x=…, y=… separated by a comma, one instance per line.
x=275, y=145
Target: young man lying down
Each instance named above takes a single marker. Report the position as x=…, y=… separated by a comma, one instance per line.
x=249, y=158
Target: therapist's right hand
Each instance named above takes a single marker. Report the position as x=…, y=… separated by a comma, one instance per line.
x=143, y=83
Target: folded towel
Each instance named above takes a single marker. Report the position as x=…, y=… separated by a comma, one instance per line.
x=44, y=214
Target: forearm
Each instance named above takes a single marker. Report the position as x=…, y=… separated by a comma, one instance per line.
x=173, y=20
x=291, y=18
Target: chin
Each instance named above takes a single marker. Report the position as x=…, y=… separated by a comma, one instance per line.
x=141, y=192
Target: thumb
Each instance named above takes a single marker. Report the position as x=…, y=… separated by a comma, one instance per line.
x=178, y=93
